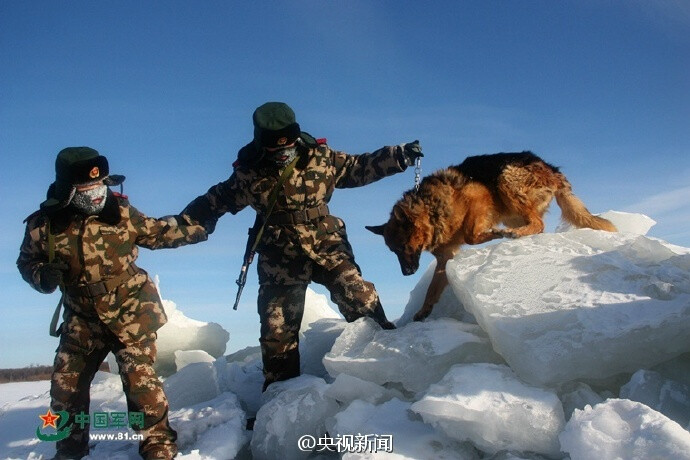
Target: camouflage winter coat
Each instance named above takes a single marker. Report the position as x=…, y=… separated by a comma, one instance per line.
x=99, y=249
x=300, y=225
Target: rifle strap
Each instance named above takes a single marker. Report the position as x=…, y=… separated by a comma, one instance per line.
x=272, y=200
x=249, y=254
x=51, y=255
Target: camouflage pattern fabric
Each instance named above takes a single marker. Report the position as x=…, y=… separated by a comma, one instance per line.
x=99, y=248
x=292, y=255
x=84, y=345
x=317, y=174
x=281, y=308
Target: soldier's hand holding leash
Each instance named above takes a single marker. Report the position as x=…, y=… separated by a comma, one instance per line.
x=412, y=151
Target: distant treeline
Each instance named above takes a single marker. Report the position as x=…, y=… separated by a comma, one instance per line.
x=26, y=374
x=31, y=373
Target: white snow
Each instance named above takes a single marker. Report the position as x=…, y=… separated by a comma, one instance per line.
x=413, y=357
x=183, y=333
x=215, y=429
x=411, y=438
x=625, y=222
x=662, y=394
x=577, y=395
x=292, y=410
x=195, y=383
x=582, y=305
x=485, y=403
x=624, y=429
x=346, y=389
x=448, y=306
x=568, y=345
x=216, y=425
x=186, y=357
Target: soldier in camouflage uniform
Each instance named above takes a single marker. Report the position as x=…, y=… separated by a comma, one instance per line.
x=111, y=305
x=302, y=241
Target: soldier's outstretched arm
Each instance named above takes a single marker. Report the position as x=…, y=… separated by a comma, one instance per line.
x=227, y=196
x=358, y=170
x=165, y=232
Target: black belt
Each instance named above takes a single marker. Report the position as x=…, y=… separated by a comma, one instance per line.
x=298, y=217
x=102, y=287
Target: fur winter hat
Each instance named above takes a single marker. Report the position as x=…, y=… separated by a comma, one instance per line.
x=77, y=166
x=275, y=125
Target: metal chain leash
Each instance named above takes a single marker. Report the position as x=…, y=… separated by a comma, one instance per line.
x=417, y=173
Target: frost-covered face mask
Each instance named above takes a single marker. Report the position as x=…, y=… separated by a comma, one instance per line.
x=90, y=201
x=283, y=157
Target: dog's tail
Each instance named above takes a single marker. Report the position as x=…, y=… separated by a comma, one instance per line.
x=574, y=210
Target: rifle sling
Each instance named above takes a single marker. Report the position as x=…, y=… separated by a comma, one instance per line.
x=53, y=331
x=272, y=201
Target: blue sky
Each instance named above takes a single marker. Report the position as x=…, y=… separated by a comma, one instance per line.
x=166, y=91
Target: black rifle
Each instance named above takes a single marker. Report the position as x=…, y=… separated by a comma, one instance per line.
x=249, y=253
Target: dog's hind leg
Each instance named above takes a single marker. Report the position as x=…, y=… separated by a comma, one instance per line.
x=526, y=192
x=535, y=224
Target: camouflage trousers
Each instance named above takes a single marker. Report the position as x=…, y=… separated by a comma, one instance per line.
x=281, y=307
x=84, y=344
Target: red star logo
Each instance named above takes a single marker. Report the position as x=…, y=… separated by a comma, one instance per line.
x=49, y=419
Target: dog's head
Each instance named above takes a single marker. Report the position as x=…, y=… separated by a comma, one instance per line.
x=407, y=233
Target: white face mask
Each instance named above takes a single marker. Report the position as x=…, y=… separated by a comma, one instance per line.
x=283, y=157
x=91, y=202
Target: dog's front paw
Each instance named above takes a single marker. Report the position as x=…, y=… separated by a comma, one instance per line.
x=421, y=315
x=387, y=325
x=503, y=233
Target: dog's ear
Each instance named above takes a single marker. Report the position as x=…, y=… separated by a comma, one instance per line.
x=376, y=229
x=399, y=214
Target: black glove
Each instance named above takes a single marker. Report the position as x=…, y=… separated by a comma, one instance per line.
x=51, y=275
x=199, y=211
x=412, y=151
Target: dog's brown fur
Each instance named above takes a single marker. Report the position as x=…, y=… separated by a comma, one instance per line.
x=464, y=204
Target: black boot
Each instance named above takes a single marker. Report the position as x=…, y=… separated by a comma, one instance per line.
x=380, y=317
x=64, y=454
x=281, y=367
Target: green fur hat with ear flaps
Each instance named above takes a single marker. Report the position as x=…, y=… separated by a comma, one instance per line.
x=77, y=166
x=275, y=125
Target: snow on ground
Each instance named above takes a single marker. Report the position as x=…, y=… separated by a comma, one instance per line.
x=572, y=306
x=566, y=345
x=14, y=392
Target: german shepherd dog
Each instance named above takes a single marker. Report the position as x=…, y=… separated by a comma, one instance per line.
x=464, y=204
